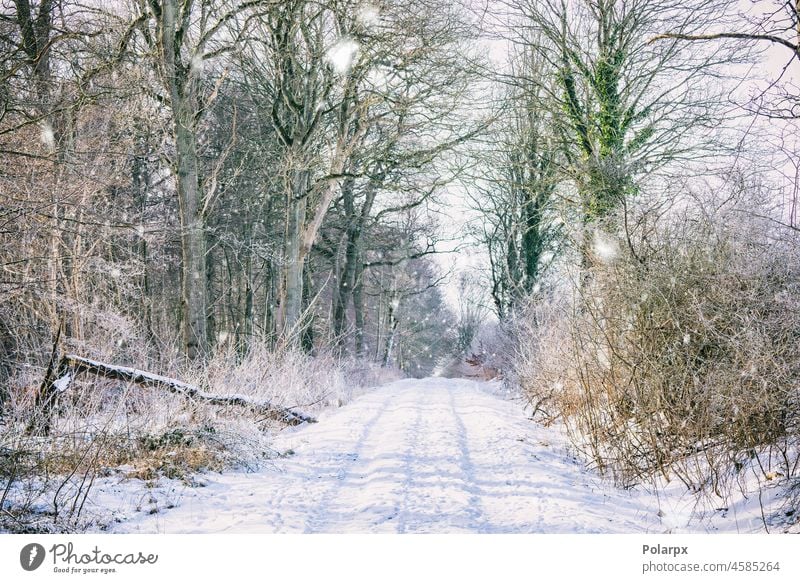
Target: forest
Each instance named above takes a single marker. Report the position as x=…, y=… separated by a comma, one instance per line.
x=221, y=216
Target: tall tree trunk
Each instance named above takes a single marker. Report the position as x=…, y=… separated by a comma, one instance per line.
x=179, y=80
x=300, y=237
x=359, y=308
x=394, y=302
x=532, y=244
x=347, y=275
x=194, y=297
x=244, y=331
x=352, y=270
x=307, y=331
x=294, y=258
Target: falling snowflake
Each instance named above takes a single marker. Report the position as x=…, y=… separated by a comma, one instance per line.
x=341, y=55
x=368, y=15
x=605, y=247
x=197, y=64
x=48, y=136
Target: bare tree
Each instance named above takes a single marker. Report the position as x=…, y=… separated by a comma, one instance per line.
x=358, y=116
x=778, y=25
x=472, y=313
x=303, y=65
x=179, y=37
x=623, y=106
x=515, y=187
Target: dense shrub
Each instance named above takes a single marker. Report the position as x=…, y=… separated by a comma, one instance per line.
x=680, y=353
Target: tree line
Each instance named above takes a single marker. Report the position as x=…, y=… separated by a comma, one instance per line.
x=194, y=175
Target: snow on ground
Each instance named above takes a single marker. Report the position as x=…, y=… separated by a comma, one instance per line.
x=417, y=456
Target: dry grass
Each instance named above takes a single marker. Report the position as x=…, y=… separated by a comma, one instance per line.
x=102, y=427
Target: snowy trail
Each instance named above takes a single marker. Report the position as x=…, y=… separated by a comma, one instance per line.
x=433, y=455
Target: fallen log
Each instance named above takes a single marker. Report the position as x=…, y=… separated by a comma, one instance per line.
x=70, y=366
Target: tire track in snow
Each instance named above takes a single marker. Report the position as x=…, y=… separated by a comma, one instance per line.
x=409, y=467
x=474, y=510
x=437, y=491
x=433, y=500
x=319, y=516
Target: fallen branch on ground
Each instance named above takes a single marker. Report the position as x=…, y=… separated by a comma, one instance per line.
x=71, y=365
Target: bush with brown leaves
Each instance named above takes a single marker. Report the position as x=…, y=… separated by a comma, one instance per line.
x=680, y=352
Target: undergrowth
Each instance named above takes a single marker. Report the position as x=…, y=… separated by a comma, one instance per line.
x=104, y=429
x=676, y=356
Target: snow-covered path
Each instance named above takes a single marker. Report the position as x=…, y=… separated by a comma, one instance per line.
x=433, y=455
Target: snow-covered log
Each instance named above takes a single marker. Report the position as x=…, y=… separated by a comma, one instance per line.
x=71, y=366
